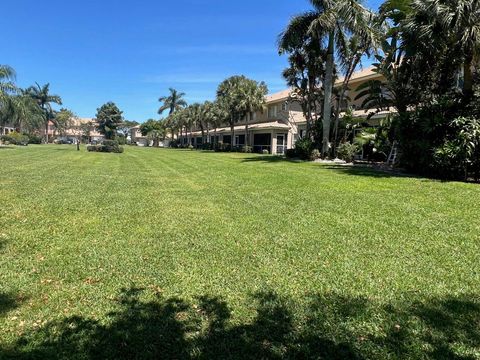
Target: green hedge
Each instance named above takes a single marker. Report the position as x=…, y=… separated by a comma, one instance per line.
x=108, y=146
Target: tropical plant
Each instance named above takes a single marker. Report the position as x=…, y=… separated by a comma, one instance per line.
x=347, y=151
x=241, y=97
x=22, y=112
x=63, y=120
x=459, y=156
x=7, y=88
x=173, y=102
x=332, y=22
x=455, y=26
x=304, y=75
x=41, y=94
x=154, y=130
x=229, y=99
x=109, y=118
x=252, y=99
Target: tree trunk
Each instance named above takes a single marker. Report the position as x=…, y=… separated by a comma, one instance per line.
x=467, y=77
x=327, y=101
x=247, y=118
x=232, y=129
x=46, y=132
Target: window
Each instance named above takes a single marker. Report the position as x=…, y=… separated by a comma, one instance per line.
x=239, y=140
x=272, y=111
x=301, y=133
x=285, y=106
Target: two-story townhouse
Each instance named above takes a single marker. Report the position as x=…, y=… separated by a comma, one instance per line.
x=282, y=122
x=137, y=138
x=85, y=127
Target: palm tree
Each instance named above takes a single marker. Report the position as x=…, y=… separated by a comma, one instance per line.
x=173, y=102
x=331, y=22
x=44, y=99
x=7, y=77
x=7, y=87
x=26, y=115
x=457, y=23
x=252, y=99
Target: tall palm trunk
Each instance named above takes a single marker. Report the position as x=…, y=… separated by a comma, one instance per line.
x=468, y=77
x=247, y=118
x=203, y=135
x=46, y=124
x=327, y=101
x=232, y=130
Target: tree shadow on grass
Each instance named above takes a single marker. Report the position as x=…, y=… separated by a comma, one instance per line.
x=359, y=170
x=331, y=327
x=8, y=302
x=270, y=159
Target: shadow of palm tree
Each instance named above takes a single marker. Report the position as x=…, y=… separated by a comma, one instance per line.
x=270, y=159
x=360, y=170
x=332, y=327
x=7, y=302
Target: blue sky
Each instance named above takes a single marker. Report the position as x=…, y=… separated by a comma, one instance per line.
x=131, y=52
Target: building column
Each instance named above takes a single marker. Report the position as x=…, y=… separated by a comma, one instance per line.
x=274, y=143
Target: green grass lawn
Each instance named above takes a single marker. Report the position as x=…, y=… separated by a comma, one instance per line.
x=179, y=254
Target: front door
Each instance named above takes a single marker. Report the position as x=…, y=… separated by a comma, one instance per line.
x=281, y=144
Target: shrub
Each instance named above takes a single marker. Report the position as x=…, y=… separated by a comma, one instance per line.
x=190, y=147
x=34, y=139
x=15, y=138
x=108, y=146
x=291, y=153
x=315, y=154
x=247, y=149
x=222, y=147
x=206, y=146
x=304, y=148
x=265, y=152
x=347, y=151
x=459, y=156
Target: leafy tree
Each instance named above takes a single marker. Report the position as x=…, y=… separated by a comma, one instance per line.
x=125, y=127
x=154, y=130
x=109, y=118
x=63, y=120
x=172, y=102
x=44, y=99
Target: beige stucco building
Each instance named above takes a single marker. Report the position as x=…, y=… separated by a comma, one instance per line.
x=278, y=127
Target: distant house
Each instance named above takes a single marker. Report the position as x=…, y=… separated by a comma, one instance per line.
x=84, y=127
x=283, y=123
x=137, y=138
x=7, y=129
